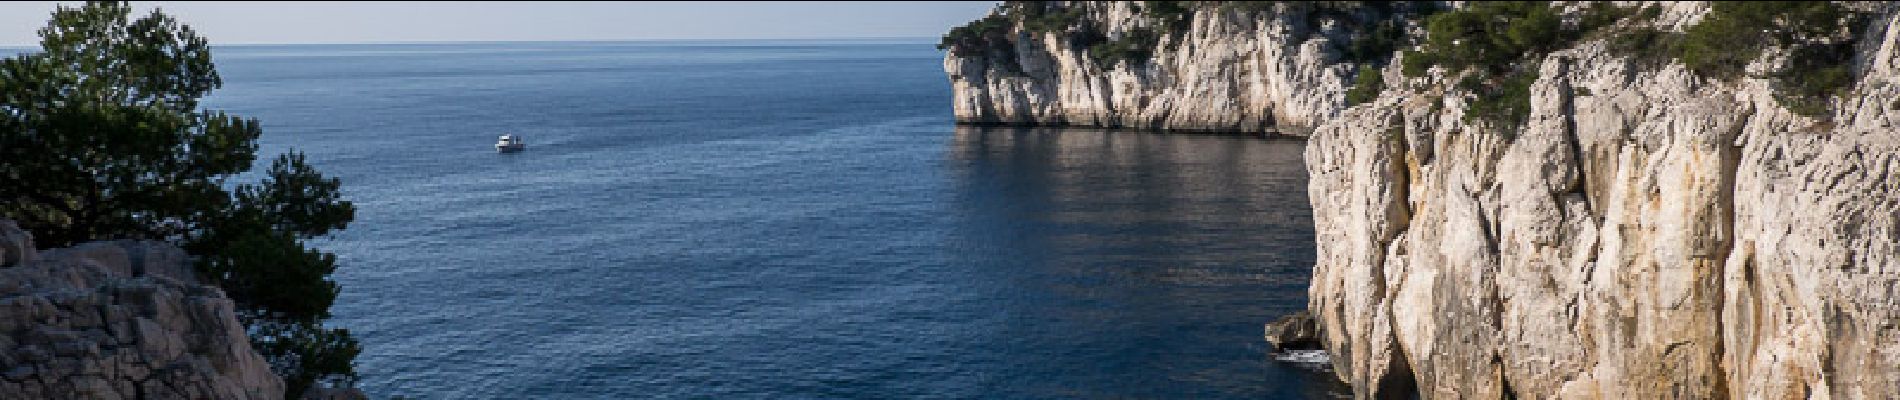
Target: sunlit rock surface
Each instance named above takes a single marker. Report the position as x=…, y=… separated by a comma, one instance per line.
x=1650, y=234
x=1227, y=72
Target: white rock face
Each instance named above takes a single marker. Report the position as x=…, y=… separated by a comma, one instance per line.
x=119, y=320
x=1227, y=72
x=1650, y=235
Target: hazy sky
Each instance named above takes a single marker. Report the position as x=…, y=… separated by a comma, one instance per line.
x=339, y=22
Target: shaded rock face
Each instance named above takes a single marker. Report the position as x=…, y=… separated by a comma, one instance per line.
x=119, y=320
x=1228, y=71
x=1298, y=331
x=1649, y=234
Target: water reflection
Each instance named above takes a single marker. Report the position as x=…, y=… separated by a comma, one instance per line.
x=1140, y=264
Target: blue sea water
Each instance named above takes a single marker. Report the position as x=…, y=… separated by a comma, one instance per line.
x=773, y=219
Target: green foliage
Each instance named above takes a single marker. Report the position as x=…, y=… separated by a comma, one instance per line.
x=278, y=277
x=1493, y=35
x=1504, y=100
x=252, y=248
x=99, y=135
x=1734, y=33
x=1600, y=14
x=1650, y=12
x=1815, y=74
x=1135, y=46
x=295, y=198
x=102, y=138
x=1495, y=45
x=1171, y=16
x=1250, y=7
x=308, y=352
x=1818, y=34
x=1494, y=42
x=1041, y=17
x=1366, y=86
x=971, y=38
x=1377, y=43
x=1377, y=28
x=1648, y=46
x=1414, y=63
x=993, y=33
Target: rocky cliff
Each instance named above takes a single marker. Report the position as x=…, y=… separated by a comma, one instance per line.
x=1647, y=232
x=1278, y=68
x=119, y=320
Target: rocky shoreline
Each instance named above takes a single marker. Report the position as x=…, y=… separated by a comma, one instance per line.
x=1646, y=233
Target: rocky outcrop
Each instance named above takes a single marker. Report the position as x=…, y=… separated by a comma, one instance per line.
x=1297, y=331
x=1226, y=70
x=119, y=320
x=1649, y=234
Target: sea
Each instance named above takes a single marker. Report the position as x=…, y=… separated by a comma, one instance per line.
x=773, y=219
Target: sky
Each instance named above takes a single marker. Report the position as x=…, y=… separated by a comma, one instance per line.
x=395, y=22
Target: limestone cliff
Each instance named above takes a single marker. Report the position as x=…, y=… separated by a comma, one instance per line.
x=1648, y=233
x=119, y=320
x=1280, y=68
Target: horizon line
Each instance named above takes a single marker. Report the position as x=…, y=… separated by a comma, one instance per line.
x=23, y=46
x=398, y=42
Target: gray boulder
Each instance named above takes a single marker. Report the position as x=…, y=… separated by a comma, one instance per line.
x=119, y=320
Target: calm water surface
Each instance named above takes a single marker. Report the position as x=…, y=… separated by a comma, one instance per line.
x=773, y=219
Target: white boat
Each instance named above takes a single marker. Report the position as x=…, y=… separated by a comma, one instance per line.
x=510, y=144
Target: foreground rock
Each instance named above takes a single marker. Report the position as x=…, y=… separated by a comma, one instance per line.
x=1298, y=331
x=1650, y=235
x=119, y=320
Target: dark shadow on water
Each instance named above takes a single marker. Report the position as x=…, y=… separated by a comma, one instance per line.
x=1137, y=264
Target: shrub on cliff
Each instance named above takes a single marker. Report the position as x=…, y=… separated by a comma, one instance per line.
x=1817, y=34
x=1376, y=29
x=1170, y=16
x=1496, y=45
x=1039, y=17
x=1135, y=46
x=102, y=138
x=971, y=38
x=993, y=31
x=1735, y=33
x=1366, y=86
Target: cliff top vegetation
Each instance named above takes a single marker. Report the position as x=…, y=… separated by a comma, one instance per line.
x=1490, y=47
